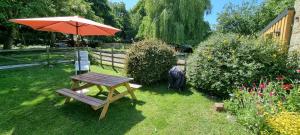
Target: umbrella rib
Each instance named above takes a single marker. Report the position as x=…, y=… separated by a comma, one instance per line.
x=47, y=26
x=83, y=24
x=71, y=24
x=103, y=30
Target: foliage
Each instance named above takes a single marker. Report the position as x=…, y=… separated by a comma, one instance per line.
x=175, y=21
x=250, y=17
x=136, y=16
x=39, y=8
x=242, y=19
x=285, y=123
x=253, y=105
x=16, y=9
x=74, y=7
x=224, y=62
x=104, y=11
x=271, y=8
x=242, y=105
x=293, y=100
x=149, y=61
x=122, y=19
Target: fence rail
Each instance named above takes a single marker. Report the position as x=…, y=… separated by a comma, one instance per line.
x=117, y=59
x=114, y=58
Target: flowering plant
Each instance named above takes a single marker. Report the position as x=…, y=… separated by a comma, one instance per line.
x=287, y=123
x=252, y=104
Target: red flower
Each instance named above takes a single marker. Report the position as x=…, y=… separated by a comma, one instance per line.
x=262, y=86
x=287, y=86
x=298, y=70
x=260, y=94
x=280, y=78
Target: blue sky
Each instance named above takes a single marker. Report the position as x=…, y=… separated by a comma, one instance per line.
x=217, y=7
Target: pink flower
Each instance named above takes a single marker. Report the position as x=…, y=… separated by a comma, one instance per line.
x=260, y=94
x=298, y=70
x=272, y=94
x=262, y=85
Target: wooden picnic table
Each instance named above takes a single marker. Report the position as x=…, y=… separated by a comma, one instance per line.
x=95, y=79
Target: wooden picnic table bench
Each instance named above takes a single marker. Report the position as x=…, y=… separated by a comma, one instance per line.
x=95, y=79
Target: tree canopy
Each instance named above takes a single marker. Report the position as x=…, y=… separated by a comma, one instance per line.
x=250, y=17
x=122, y=19
x=42, y=8
x=174, y=21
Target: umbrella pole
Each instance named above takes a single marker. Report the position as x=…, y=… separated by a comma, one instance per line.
x=78, y=53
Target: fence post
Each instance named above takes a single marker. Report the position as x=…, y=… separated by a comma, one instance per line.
x=185, y=62
x=48, y=55
x=100, y=53
x=112, y=57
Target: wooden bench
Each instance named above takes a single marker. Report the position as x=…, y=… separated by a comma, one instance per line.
x=135, y=86
x=94, y=102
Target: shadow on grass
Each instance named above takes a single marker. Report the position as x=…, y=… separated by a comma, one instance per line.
x=209, y=96
x=31, y=106
x=162, y=89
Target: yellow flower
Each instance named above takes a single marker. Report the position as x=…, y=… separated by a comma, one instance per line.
x=286, y=123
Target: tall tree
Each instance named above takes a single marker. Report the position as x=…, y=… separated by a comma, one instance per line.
x=103, y=10
x=271, y=8
x=40, y=8
x=122, y=19
x=175, y=21
x=242, y=19
x=136, y=16
x=19, y=9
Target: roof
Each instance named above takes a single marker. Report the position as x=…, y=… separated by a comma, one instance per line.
x=277, y=19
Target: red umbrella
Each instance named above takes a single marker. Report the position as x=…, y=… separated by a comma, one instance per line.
x=68, y=25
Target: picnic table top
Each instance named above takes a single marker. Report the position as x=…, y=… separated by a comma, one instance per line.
x=101, y=79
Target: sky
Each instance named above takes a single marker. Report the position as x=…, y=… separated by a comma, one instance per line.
x=217, y=7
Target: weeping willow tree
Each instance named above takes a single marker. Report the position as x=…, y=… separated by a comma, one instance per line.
x=175, y=21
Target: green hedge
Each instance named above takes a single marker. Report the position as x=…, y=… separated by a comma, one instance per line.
x=149, y=61
x=226, y=61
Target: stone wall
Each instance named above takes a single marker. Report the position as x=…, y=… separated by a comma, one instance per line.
x=295, y=38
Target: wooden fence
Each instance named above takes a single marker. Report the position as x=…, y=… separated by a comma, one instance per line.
x=35, y=56
x=117, y=58
x=111, y=57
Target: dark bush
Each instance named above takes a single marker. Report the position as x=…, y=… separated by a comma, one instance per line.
x=225, y=62
x=149, y=61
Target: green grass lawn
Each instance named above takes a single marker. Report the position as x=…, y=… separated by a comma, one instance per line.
x=29, y=105
x=33, y=58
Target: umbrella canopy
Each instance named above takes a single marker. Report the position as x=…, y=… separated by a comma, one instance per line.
x=68, y=25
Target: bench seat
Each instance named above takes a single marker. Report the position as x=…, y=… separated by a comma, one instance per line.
x=135, y=86
x=94, y=102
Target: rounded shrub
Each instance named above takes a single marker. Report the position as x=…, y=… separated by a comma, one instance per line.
x=227, y=61
x=148, y=61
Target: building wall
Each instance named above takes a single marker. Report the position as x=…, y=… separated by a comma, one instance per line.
x=295, y=39
x=280, y=28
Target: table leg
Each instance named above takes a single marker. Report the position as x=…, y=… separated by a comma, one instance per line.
x=116, y=92
x=100, y=90
x=109, y=97
x=75, y=84
x=130, y=90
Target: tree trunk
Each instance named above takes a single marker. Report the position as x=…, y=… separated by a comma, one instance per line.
x=11, y=34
